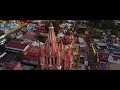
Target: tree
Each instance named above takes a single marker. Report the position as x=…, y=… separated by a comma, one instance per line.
x=108, y=24
x=42, y=38
x=114, y=32
x=1, y=33
x=94, y=23
x=56, y=26
x=102, y=24
x=46, y=26
x=2, y=48
x=20, y=55
x=98, y=37
x=8, y=38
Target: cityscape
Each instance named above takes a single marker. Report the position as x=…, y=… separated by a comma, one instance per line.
x=59, y=44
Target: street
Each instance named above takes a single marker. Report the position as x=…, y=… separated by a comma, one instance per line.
x=91, y=58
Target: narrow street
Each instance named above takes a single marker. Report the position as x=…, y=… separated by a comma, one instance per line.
x=91, y=58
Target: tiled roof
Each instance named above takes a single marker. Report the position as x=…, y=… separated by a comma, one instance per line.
x=33, y=50
x=17, y=44
x=7, y=64
x=118, y=54
x=30, y=35
x=32, y=53
x=17, y=40
x=27, y=21
x=30, y=58
x=1, y=52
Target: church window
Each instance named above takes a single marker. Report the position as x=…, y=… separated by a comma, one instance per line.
x=52, y=60
x=55, y=60
x=45, y=60
x=48, y=61
x=50, y=44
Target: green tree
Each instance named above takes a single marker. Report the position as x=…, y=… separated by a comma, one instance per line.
x=114, y=32
x=97, y=37
x=1, y=33
x=108, y=24
x=20, y=55
x=8, y=38
x=56, y=26
x=94, y=23
x=46, y=26
x=2, y=48
x=42, y=38
x=102, y=24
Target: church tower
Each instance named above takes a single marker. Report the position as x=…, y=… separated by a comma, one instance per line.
x=52, y=52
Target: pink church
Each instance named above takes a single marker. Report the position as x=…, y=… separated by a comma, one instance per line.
x=53, y=56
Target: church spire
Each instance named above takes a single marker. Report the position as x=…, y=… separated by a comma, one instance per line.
x=51, y=32
x=51, y=24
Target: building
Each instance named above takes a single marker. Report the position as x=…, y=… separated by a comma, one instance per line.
x=102, y=60
x=31, y=56
x=82, y=56
x=81, y=29
x=67, y=39
x=114, y=60
x=12, y=65
x=17, y=45
x=30, y=36
x=53, y=56
x=117, y=22
x=2, y=54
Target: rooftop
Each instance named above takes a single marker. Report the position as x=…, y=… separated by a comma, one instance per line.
x=30, y=35
x=32, y=50
x=19, y=44
x=9, y=57
x=104, y=66
x=27, y=67
x=114, y=66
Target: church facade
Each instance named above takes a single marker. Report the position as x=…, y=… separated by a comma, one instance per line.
x=53, y=56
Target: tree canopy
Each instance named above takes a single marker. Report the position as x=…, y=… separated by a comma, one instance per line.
x=8, y=38
x=42, y=38
x=103, y=24
x=2, y=48
x=55, y=24
x=20, y=55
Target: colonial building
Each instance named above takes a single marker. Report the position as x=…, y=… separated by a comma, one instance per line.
x=12, y=65
x=53, y=56
x=68, y=39
x=30, y=36
x=17, y=45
